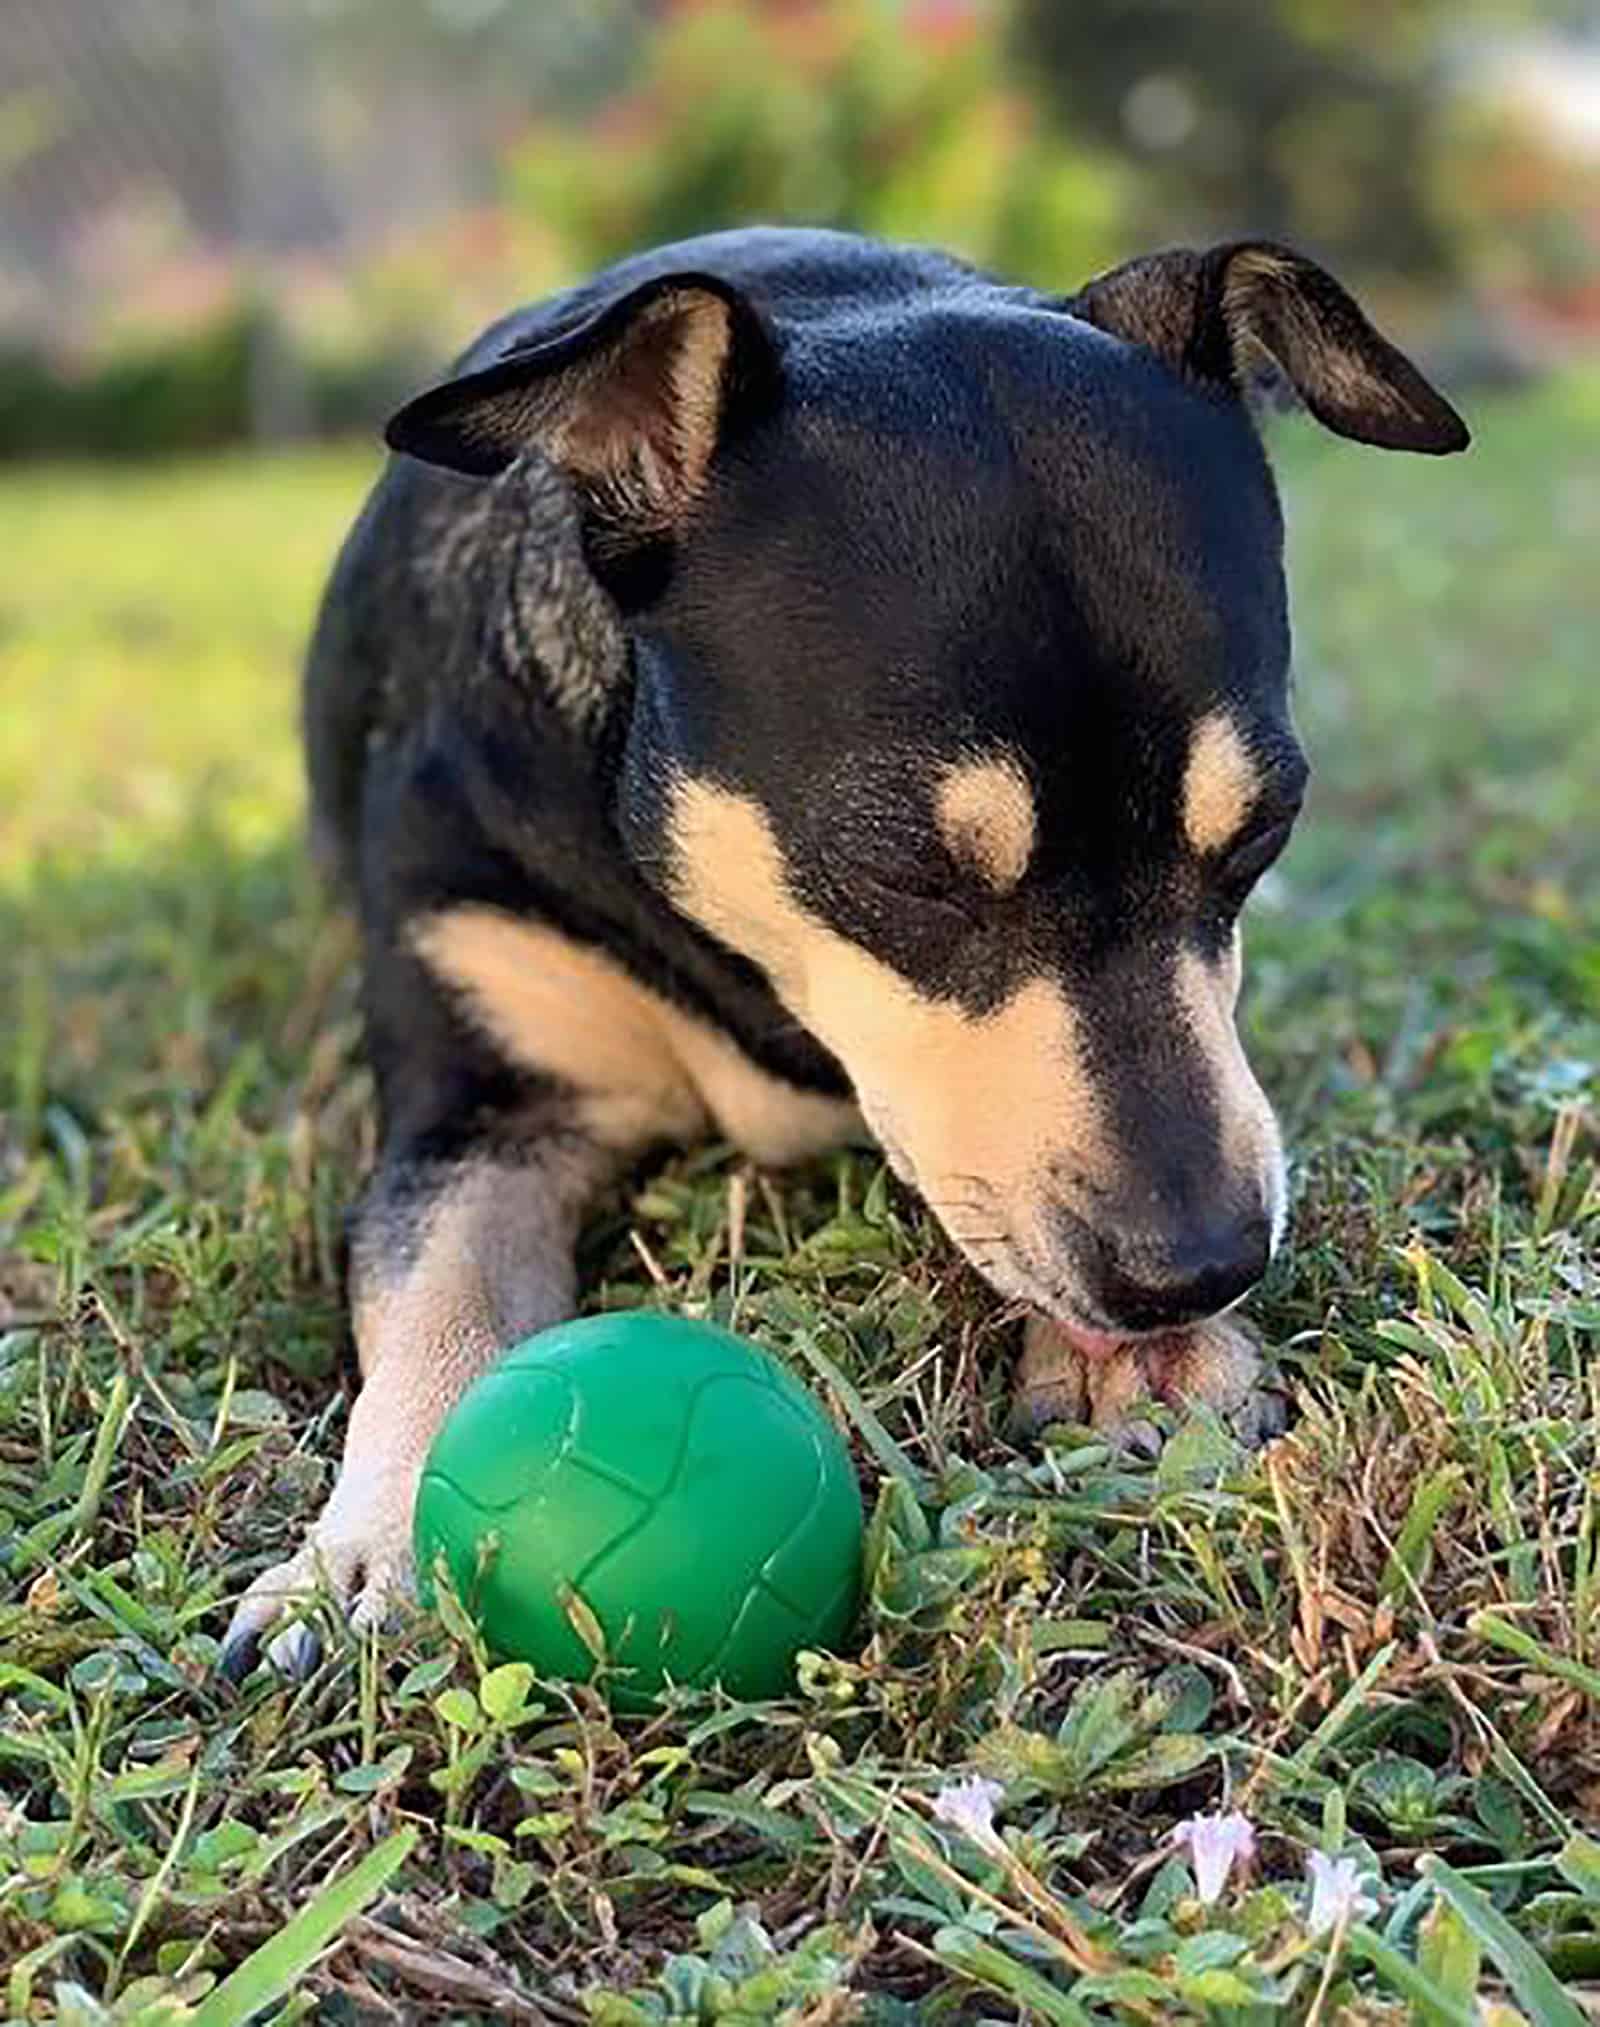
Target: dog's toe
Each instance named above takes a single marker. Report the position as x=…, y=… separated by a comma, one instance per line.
x=390, y=1578
x=288, y=1587
x=358, y=1554
x=1261, y=1415
x=1035, y=1407
x=1051, y=1383
x=1214, y=1365
x=295, y=1651
x=1058, y=1381
x=1217, y=1365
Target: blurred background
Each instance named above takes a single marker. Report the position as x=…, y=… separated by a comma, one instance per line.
x=226, y=220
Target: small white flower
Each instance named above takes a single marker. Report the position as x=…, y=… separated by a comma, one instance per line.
x=969, y=1807
x=1216, y=1844
x=1337, y=1894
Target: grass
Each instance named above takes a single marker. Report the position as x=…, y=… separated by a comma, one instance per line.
x=1380, y=1641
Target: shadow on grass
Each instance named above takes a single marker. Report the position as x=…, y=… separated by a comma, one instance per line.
x=183, y=1113
x=121, y=977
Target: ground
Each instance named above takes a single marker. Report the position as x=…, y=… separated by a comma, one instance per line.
x=1377, y=1641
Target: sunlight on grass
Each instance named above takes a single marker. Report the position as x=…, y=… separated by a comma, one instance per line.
x=1380, y=1641
x=151, y=625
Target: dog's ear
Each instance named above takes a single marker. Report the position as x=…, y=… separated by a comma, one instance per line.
x=1215, y=314
x=631, y=403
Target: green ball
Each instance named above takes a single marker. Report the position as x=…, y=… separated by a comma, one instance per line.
x=682, y=1485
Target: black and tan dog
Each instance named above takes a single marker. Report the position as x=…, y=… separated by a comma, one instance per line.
x=792, y=682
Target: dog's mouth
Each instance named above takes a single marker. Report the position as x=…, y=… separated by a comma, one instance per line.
x=1010, y=1268
x=974, y=1218
x=1094, y=1342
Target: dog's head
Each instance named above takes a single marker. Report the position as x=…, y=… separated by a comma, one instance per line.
x=960, y=708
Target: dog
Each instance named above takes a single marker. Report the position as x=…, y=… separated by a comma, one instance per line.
x=791, y=685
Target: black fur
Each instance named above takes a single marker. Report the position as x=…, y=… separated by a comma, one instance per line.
x=939, y=512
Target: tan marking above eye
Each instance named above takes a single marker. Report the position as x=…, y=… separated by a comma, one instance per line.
x=987, y=818
x=1220, y=783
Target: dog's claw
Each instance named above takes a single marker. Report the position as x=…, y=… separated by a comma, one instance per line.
x=1139, y=1437
x=359, y=1554
x=1261, y=1415
x=240, y=1652
x=295, y=1651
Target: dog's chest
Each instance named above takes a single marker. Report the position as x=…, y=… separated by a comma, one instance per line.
x=640, y=1068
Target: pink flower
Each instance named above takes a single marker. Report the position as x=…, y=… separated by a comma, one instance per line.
x=1216, y=1844
x=969, y=1806
x=1337, y=1894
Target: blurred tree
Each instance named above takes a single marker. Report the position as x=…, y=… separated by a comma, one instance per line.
x=900, y=120
x=1304, y=120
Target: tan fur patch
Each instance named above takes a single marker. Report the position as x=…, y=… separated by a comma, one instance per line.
x=987, y=818
x=1251, y=1143
x=646, y=1071
x=1220, y=782
x=491, y=1262
x=976, y=1109
x=697, y=367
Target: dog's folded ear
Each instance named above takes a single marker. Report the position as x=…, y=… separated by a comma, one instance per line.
x=1216, y=315
x=630, y=403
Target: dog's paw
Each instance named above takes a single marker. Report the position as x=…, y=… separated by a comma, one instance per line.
x=358, y=1554
x=1217, y=1365
x=1214, y=1365
x=1059, y=1380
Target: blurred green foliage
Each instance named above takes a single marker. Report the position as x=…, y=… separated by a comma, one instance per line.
x=1300, y=120
x=165, y=394
x=185, y=391
x=1380, y=135
x=829, y=114
x=1046, y=141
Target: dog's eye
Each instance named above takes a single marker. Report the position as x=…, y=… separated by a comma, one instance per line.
x=920, y=886
x=895, y=863
x=1245, y=864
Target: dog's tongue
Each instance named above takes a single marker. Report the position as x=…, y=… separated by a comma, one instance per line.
x=1092, y=1343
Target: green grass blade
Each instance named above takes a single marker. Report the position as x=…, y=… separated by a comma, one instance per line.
x=876, y=1437
x=1578, y=1862
x=269, y=1972
x=1525, y=1971
x=1306, y=1755
x=163, y=1872
x=1512, y=1638
x=1428, y=1504
x=107, y=1436
x=987, y=1965
x=1430, y=2002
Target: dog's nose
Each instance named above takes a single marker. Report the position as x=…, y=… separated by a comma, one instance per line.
x=1145, y=1282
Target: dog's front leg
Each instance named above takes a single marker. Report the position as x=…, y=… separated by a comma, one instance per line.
x=451, y=1264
